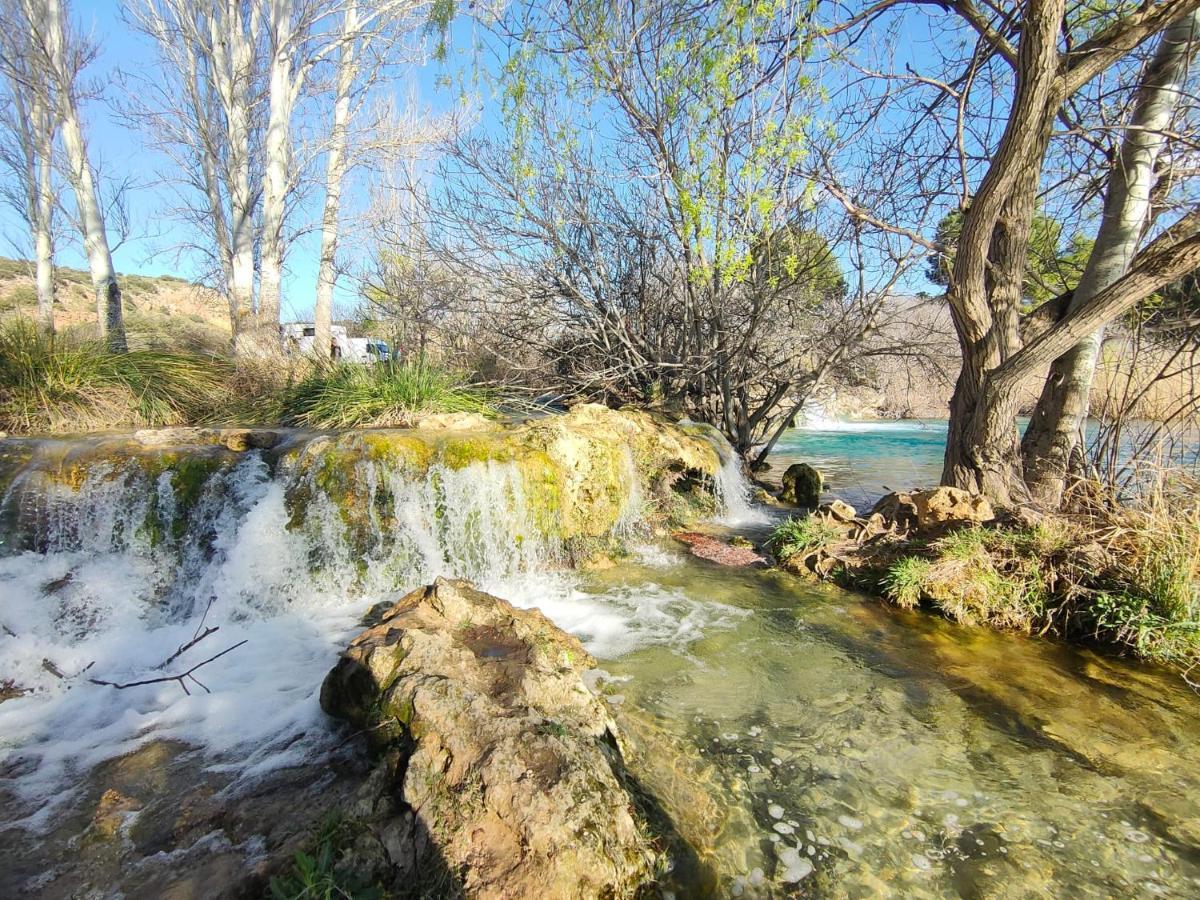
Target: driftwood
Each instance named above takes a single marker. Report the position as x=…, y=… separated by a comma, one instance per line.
x=182, y=678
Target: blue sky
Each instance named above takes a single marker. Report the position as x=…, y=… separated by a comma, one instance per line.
x=120, y=153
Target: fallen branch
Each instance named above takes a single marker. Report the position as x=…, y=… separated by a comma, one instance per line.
x=182, y=677
x=184, y=648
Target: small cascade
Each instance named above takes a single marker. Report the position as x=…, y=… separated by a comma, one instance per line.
x=732, y=490
x=111, y=558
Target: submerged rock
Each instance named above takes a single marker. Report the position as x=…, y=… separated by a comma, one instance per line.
x=501, y=774
x=802, y=485
x=705, y=546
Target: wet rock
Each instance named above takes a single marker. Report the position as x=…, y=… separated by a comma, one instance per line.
x=802, y=485
x=705, y=546
x=241, y=440
x=112, y=812
x=501, y=772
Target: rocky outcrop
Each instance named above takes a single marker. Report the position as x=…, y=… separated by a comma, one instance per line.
x=802, y=485
x=934, y=507
x=501, y=773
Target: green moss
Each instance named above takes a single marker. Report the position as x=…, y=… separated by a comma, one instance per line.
x=460, y=451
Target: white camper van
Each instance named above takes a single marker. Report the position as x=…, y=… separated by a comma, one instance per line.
x=298, y=337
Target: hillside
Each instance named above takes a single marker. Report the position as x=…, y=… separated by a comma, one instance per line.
x=161, y=312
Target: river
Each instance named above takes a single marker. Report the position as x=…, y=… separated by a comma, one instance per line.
x=825, y=744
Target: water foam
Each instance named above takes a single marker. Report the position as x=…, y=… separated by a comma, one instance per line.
x=105, y=586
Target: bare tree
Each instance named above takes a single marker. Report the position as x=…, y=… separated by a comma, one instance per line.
x=27, y=148
x=366, y=46
x=61, y=54
x=201, y=109
x=987, y=134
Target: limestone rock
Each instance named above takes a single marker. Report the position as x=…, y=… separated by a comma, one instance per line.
x=802, y=485
x=501, y=773
x=240, y=440
x=897, y=508
x=460, y=421
x=948, y=504
x=838, y=510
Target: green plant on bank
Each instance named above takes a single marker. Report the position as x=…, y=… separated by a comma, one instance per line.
x=801, y=535
x=314, y=876
x=61, y=385
x=344, y=395
x=1128, y=578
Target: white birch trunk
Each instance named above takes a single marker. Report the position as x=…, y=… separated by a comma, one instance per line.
x=277, y=151
x=335, y=172
x=109, y=314
x=1055, y=429
x=44, y=243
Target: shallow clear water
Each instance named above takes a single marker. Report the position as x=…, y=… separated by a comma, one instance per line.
x=865, y=751
x=804, y=739
x=863, y=460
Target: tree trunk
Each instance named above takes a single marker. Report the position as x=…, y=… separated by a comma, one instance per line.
x=109, y=315
x=277, y=151
x=1061, y=411
x=985, y=283
x=335, y=171
x=44, y=246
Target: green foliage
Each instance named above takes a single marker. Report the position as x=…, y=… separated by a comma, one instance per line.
x=314, y=876
x=801, y=535
x=1052, y=266
x=58, y=385
x=904, y=581
x=343, y=395
x=801, y=258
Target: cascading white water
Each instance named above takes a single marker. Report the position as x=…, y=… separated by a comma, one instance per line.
x=733, y=494
x=106, y=578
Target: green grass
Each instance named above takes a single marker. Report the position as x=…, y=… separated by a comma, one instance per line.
x=314, y=876
x=345, y=395
x=801, y=535
x=60, y=385
x=905, y=581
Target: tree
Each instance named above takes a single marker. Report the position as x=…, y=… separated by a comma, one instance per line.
x=27, y=150
x=60, y=55
x=1052, y=435
x=1052, y=267
x=674, y=253
x=202, y=109
x=1053, y=75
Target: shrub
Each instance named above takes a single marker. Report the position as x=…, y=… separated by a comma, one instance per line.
x=801, y=535
x=345, y=395
x=61, y=385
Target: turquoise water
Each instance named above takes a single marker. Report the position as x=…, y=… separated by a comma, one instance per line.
x=863, y=460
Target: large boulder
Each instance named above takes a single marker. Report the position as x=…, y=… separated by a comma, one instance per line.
x=501, y=773
x=802, y=485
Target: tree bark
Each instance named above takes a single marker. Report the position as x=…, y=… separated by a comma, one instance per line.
x=44, y=245
x=335, y=171
x=985, y=283
x=109, y=314
x=1055, y=429
x=281, y=96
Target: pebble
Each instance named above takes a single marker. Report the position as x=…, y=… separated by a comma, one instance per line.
x=783, y=827
x=850, y=822
x=775, y=811
x=921, y=862
x=796, y=867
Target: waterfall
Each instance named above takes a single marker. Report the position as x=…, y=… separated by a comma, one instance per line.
x=109, y=561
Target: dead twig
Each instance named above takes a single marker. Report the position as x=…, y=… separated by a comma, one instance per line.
x=185, y=647
x=182, y=677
